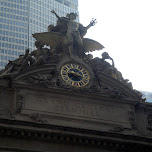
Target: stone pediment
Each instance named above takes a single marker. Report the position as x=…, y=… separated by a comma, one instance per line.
x=100, y=83
x=66, y=64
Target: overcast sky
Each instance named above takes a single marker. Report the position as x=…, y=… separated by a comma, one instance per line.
x=124, y=27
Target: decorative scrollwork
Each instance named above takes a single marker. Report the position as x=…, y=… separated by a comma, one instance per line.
x=44, y=80
x=38, y=118
x=19, y=103
x=117, y=128
x=132, y=119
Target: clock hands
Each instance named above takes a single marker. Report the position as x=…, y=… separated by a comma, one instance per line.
x=75, y=73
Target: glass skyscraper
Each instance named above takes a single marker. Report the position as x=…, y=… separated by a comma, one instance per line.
x=20, y=18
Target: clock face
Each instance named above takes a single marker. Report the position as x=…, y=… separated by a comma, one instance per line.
x=75, y=75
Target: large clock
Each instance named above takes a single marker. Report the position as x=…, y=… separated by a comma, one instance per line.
x=75, y=75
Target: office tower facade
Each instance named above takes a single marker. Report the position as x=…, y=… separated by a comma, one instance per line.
x=20, y=18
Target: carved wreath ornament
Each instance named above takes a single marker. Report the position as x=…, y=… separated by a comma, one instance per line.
x=19, y=103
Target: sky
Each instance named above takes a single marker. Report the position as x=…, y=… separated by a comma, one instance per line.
x=124, y=28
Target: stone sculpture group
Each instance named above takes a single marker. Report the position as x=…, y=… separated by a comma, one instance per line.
x=66, y=39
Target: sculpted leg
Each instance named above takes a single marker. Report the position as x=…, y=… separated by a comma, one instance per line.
x=25, y=62
x=39, y=61
x=70, y=39
x=80, y=46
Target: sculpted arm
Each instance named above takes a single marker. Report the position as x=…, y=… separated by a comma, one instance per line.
x=55, y=14
x=32, y=53
x=83, y=29
x=26, y=54
x=92, y=23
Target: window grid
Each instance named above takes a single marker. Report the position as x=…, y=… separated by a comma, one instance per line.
x=21, y=18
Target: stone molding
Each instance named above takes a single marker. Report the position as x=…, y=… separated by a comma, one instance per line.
x=75, y=136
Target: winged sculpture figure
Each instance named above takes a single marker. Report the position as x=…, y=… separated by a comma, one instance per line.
x=69, y=34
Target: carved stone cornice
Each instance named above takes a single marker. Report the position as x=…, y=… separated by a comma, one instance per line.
x=75, y=93
x=75, y=136
x=118, y=85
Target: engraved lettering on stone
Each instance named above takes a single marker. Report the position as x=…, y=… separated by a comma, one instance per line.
x=79, y=108
x=42, y=100
x=74, y=108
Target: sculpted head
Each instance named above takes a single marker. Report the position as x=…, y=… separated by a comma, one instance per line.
x=105, y=55
x=72, y=16
x=50, y=27
x=90, y=56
